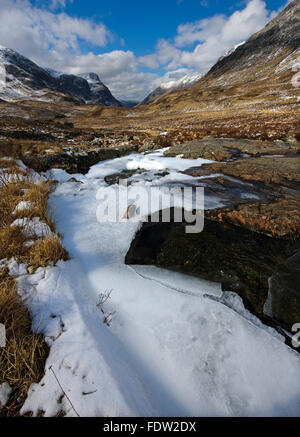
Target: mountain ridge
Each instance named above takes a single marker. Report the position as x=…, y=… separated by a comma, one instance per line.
x=22, y=78
x=170, y=86
x=257, y=75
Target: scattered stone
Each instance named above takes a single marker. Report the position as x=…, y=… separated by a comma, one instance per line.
x=74, y=180
x=115, y=178
x=79, y=162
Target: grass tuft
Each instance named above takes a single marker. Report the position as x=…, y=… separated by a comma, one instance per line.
x=46, y=252
x=22, y=360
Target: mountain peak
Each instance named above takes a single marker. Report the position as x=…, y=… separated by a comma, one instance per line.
x=171, y=84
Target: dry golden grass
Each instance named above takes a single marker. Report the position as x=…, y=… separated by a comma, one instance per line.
x=22, y=361
x=11, y=193
x=47, y=251
x=38, y=195
x=12, y=243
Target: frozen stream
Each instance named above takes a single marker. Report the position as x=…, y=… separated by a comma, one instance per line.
x=175, y=347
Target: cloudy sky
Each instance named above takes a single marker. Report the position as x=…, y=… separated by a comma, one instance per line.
x=133, y=45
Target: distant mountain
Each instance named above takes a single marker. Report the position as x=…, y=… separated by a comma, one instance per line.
x=100, y=94
x=257, y=74
x=129, y=103
x=171, y=85
x=22, y=78
x=87, y=87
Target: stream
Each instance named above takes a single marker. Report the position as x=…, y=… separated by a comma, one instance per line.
x=192, y=350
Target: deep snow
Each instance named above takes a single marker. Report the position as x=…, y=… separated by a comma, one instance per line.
x=176, y=346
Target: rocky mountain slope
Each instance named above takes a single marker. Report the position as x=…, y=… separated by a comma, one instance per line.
x=257, y=73
x=100, y=94
x=22, y=78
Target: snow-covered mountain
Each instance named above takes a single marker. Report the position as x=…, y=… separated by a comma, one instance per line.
x=232, y=50
x=22, y=78
x=184, y=81
x=100, y=94
x=170, y=84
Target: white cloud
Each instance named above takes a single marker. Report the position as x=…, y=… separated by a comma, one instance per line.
x=117, y=69
x=55, y=4
x=44, y=36
x=167, y=52
x=213, y=37
x=149, y=61
x=132, y=86
x=110, y=64
x=173, y=75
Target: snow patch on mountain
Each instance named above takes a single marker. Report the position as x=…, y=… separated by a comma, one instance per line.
x=20, y=77
x=184, y=81
x=173, y=81
x=232, y=50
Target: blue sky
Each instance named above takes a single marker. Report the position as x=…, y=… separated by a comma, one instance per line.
x=132, y=45
x=142, y=23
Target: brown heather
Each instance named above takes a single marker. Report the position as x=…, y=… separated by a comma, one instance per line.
x=23, y=359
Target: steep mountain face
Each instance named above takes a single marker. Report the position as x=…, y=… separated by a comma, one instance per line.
x=20, y=77
x=233, y=49
x=257, y=75
x=75, y=86
x=170, y=86
x=100, y=94
x=278, y=39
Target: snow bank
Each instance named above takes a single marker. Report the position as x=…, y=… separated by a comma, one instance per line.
x=176, y=345
x=85, y=357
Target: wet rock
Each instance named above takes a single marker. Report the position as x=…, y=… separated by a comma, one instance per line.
x=200, y=149
x=283, y=303
x=221, y=149
x=162, y=173
x=270, y=170
x=115, y=178
x=74, y=180
x=79, y=162
x=241, y=260
x=279, y=218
